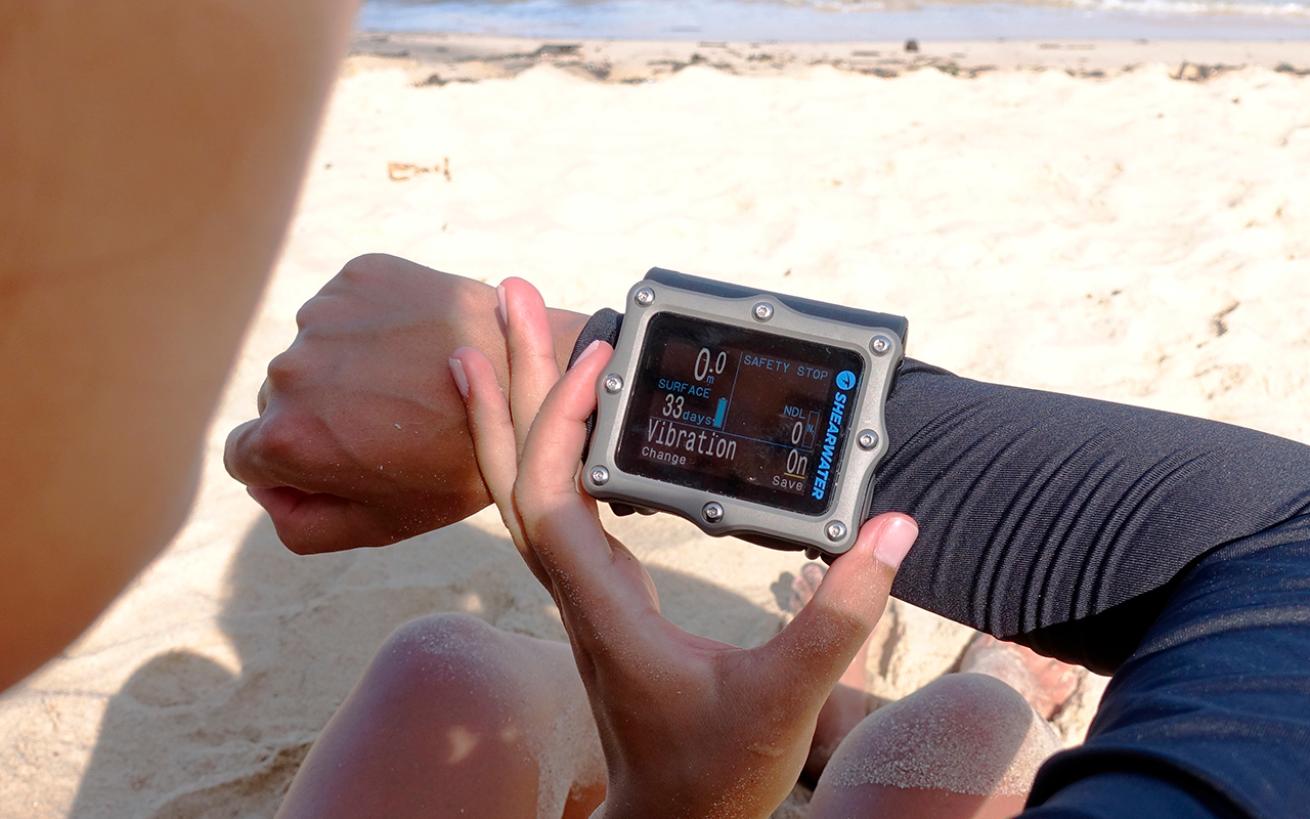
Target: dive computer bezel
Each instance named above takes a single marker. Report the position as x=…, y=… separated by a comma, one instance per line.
x=878, y=339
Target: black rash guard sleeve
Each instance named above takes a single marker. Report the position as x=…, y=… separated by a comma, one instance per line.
x=1063, y=523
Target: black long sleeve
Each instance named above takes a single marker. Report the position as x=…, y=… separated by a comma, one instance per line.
x=1171, y=551
x=1063, y=522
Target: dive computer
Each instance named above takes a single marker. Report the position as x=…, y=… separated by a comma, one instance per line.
x=747, y=412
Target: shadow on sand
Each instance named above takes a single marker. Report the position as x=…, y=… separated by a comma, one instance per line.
x=196, y=740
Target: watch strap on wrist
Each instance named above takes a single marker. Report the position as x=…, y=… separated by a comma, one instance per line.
x=603, y=325
x=848, y=315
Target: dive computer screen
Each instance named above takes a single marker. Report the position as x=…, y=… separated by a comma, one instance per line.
x=740, y=413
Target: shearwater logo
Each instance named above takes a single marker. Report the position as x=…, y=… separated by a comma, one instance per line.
x=836, y=418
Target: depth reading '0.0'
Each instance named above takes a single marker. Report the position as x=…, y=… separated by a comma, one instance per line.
x=739, y=413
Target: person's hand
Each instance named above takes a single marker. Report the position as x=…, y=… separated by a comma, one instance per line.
x=689, y=726
x=361, y=439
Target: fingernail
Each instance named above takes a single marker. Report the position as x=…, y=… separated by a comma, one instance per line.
x=589, y=351
x=461, y=380
x=502, y=309
x=894, y=541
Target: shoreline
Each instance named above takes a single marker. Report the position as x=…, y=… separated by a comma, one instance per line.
x=438, y=59
x=867, y=20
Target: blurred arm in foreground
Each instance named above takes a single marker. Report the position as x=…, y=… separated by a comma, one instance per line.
x=151, y=156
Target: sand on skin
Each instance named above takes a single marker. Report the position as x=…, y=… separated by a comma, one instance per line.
x=1131, y=237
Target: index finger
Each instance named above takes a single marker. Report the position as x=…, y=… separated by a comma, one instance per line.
x=559, y=523
x=533, y=367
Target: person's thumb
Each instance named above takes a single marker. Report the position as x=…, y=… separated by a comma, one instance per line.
x=821, y=641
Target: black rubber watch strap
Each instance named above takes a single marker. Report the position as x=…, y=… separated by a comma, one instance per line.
x=848, y=315
x=604, y=325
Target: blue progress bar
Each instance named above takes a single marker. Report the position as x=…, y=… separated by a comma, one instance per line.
x=720, y=412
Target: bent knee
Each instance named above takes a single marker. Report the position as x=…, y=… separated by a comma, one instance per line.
x=963, y=733
x=989, y=713
x=441, y=652
x=439, y=633
x=966, y=699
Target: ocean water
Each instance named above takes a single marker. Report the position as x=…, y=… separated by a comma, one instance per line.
x=835, y=20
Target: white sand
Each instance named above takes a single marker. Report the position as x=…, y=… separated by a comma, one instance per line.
x=1135, y=238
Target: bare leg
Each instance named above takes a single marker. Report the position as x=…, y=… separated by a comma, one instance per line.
x=456, y=718
x=1047, y=684
x=967, y=745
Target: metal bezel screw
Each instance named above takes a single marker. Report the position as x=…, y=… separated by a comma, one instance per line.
x=881, y=345
x=835, y=530
x=599, y=475
x=613, y=382
x=762, y=311
x=712, y=512
x=867, y=439
x=644, y=297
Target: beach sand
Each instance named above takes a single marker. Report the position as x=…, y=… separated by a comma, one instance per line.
x=1126, y=221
